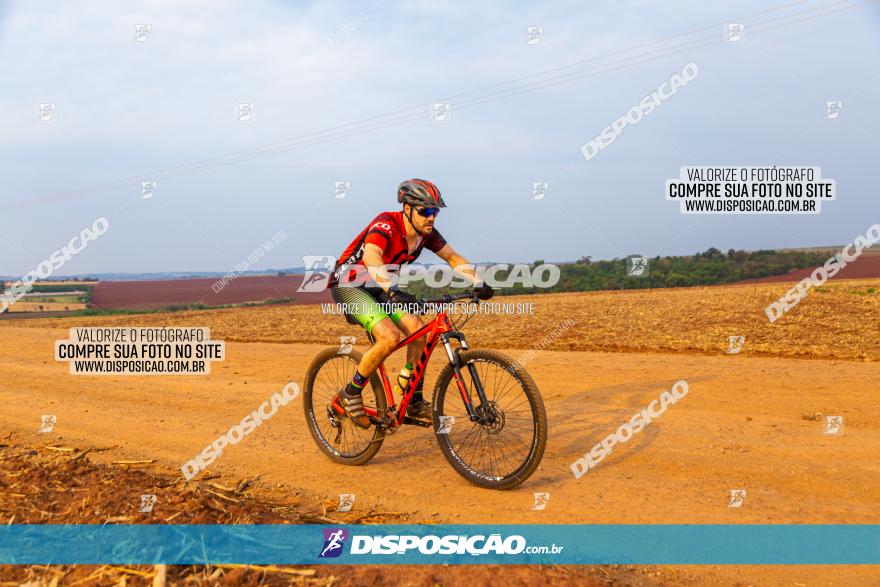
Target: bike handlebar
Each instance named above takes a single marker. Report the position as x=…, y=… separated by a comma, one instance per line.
x=450, y=298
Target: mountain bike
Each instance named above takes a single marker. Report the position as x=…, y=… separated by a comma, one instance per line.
x=488, y=415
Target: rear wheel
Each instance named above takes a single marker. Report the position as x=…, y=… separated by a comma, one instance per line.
x=337, y=436
x=505, y=447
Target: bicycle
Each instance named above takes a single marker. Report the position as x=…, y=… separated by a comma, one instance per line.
x=471, y=430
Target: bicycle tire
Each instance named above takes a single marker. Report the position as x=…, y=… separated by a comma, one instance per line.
x=536, y=404
x=324, y=444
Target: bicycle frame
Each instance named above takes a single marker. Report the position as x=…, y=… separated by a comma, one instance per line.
x=440, y=329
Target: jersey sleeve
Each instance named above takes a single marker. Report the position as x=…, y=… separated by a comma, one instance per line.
x=435, y=241
x=379, y=231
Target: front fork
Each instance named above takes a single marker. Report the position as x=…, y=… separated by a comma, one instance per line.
x=476, y=414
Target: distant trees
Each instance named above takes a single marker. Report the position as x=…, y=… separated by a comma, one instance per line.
x=708, y=267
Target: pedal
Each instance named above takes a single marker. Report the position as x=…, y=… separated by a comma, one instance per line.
x=417, y=422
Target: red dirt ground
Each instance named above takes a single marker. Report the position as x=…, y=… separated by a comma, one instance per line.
x=161, y=293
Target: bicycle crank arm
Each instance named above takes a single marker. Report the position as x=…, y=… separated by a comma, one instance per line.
x=416, y=422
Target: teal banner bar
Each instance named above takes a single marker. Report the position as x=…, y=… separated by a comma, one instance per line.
x=429, y=544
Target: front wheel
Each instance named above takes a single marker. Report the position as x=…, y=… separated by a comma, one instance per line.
x=505, y=447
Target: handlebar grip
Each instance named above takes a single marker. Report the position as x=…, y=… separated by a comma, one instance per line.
x=445, y=299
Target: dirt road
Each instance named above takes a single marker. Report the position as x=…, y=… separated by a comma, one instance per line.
x=742, y=426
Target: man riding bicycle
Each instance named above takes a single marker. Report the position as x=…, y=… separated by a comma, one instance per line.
x=392, y=238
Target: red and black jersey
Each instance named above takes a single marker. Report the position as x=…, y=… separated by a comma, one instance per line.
x=388, y=232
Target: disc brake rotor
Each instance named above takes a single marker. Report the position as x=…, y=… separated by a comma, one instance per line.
x=493, y=418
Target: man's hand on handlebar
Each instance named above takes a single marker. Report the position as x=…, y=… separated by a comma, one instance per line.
x=396, y=296
x=484, y=291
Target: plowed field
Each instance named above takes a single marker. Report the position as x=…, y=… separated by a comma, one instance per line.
x=752, y=420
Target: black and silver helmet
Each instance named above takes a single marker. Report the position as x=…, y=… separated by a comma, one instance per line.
x=420, y=192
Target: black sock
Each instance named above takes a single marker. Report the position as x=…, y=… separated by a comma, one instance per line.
x=417, y=394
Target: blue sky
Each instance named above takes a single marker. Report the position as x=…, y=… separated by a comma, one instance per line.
x=128, y=110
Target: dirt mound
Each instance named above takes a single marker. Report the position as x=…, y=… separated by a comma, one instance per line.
x=59, y=485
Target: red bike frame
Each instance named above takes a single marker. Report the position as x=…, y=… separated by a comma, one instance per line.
x=437, y=330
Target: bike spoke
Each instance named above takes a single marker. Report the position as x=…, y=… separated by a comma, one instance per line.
x=494, y=450
x=332, y=377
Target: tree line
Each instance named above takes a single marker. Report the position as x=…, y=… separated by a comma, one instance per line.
x=710, y=267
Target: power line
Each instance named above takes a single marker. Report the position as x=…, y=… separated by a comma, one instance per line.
x=420, y=112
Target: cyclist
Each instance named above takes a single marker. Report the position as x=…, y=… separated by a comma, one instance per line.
x=392, y=238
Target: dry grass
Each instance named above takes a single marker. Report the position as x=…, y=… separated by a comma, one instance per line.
x=38, y=306
x=840, y=320
x=59, y=485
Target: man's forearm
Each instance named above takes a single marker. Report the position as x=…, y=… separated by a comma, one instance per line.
x=463, y=266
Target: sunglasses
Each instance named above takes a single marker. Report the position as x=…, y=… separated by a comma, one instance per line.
x=427, y=212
